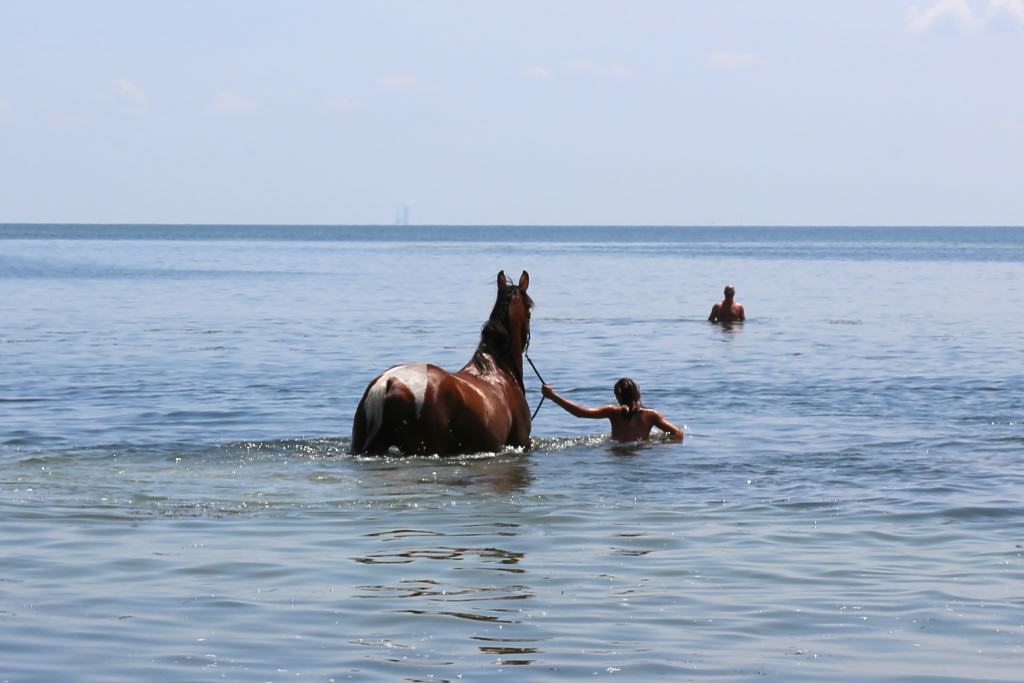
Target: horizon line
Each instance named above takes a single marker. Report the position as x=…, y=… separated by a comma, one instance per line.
x=516, y=225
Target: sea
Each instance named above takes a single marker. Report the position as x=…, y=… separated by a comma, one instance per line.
x=178, y=501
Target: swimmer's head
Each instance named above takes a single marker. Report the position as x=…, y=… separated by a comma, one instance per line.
x=729, y=292
x=627, y=393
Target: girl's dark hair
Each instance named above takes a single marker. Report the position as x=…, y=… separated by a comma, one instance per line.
x=627, y=393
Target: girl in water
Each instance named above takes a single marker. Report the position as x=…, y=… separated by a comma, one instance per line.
x=631, y=420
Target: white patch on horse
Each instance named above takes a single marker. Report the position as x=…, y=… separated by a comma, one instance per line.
x=413, y=376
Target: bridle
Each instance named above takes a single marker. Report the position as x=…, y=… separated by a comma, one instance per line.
x=526, y=355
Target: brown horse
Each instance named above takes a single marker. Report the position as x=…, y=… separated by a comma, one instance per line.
x=420, y=408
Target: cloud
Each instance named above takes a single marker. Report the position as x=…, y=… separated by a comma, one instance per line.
x=1010, y=8
x=539, y=73
x=398, y=83
x=731, y=60
x=962, y=14
x=130, y=90
x=957, y=12
x=231, y=103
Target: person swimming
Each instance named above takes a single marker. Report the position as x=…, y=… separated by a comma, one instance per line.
x=630, y=419
x=727, y=310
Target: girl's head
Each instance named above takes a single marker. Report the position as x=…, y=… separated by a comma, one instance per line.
x=627, y=393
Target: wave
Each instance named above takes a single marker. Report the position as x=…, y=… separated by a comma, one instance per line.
x=313, y=448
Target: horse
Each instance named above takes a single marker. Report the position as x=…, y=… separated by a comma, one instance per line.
x=420, y=408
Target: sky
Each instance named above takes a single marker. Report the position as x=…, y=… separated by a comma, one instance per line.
x=520, y=112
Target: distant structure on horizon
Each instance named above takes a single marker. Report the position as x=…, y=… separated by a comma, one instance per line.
x=402, y=215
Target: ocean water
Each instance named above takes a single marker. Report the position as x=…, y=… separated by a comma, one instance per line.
x=177, y=500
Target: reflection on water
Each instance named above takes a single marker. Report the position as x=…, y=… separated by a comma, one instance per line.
x=499, y=474
x=471, y=616
x=448, y=592
x=488, y=555
x=513, y=656
x=729, y=331
x=428, y=588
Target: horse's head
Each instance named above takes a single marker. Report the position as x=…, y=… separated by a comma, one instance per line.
x=518, y=306
x=507, y=332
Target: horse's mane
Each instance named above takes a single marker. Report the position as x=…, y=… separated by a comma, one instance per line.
x=496, y=338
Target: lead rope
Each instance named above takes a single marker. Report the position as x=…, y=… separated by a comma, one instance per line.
x=527, y=355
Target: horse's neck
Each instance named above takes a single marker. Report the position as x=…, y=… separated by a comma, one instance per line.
x=485, y=364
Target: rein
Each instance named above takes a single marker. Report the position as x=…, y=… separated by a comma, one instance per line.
x=536, y=372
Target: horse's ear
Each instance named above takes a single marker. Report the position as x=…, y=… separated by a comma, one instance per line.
x=524, y=281
x=502, y=280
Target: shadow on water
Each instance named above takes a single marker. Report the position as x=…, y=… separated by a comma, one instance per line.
x=495, y=473
x=629, y=449
x=730, y=327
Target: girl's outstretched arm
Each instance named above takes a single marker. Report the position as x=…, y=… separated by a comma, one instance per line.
x=576, y=409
